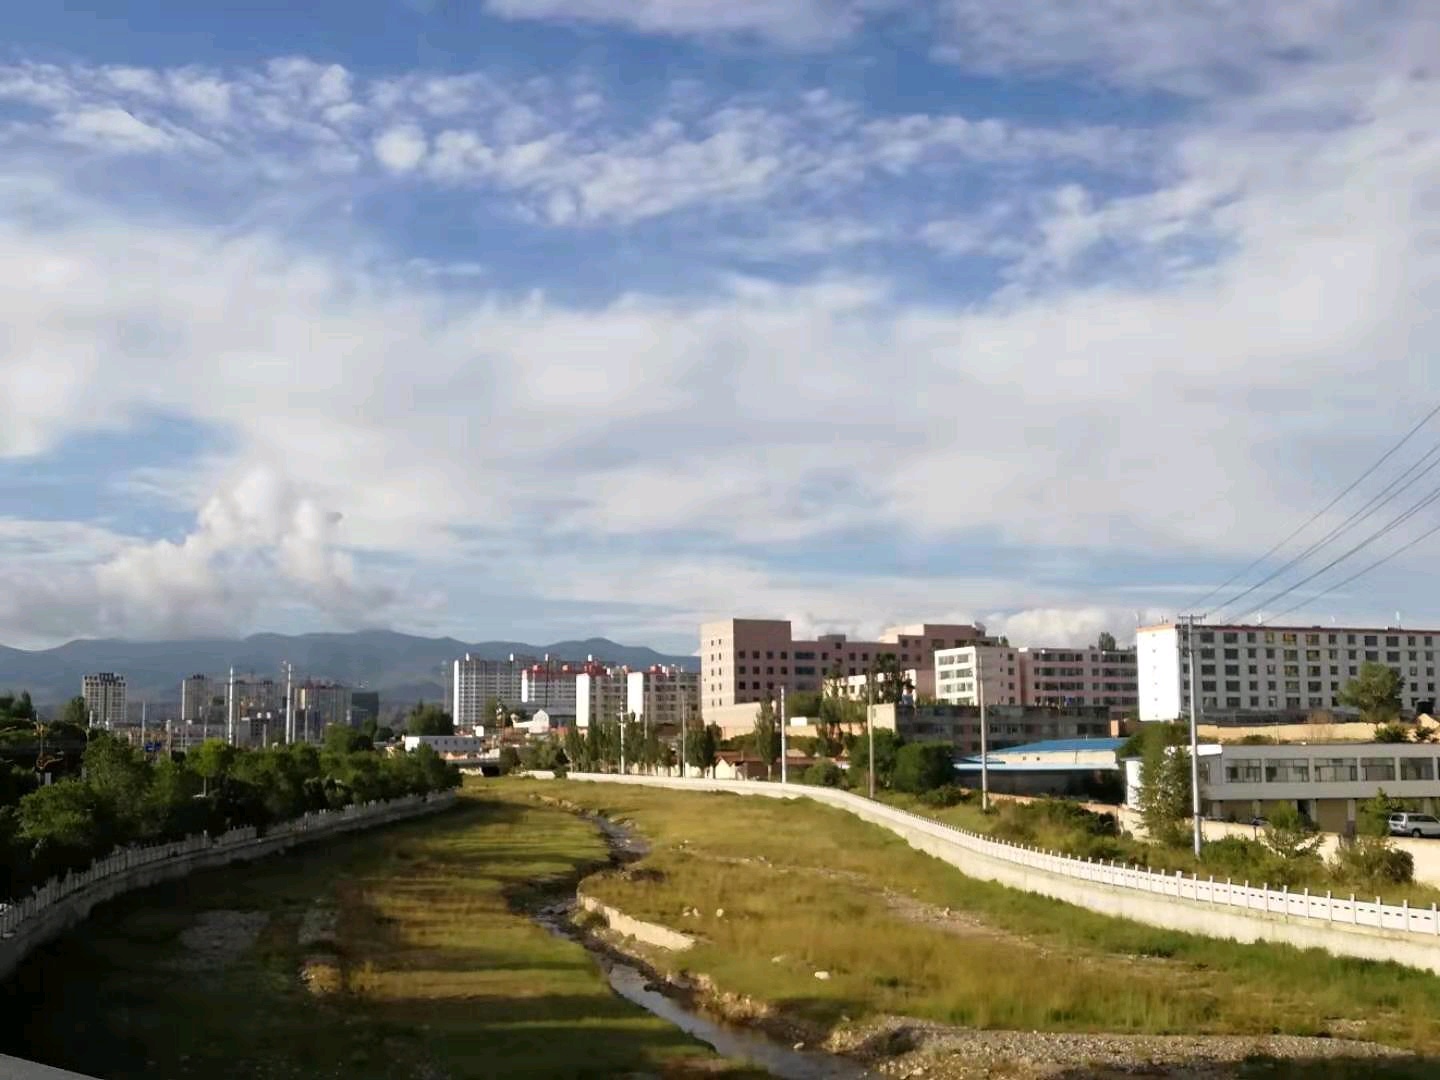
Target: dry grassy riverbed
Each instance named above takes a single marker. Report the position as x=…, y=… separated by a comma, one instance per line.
x=825, y=929
x=399, y=954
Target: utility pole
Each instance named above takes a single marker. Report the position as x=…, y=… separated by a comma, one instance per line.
x=289, y=706
x=144, y=705
x=684, y=723
x=784, y=772
x=230, y=711
x=870, y=725
x=622, y=742
x=984, y=738
x=1194, y=737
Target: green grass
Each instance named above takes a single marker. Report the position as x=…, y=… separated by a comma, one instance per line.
x=442, y=975
x=819, y=902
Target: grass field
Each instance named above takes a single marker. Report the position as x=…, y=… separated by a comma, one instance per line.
x=808, y=888
x=433, y=973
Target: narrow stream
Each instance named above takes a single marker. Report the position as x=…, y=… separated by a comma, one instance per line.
x=739, y=1044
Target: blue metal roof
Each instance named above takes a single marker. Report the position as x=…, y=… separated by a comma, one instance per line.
x=1061, y=746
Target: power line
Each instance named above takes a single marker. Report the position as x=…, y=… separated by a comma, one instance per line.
x=1361, y=573
x=1321, y=512
x=1389, y=527
x=1386, y=495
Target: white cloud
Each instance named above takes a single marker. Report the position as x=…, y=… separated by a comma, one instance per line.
x=794, y=23
x=401, y=148
x=111, y=127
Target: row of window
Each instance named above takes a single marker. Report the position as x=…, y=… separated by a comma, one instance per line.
x=1300, y=770
x=1314, y=656
x=1288, y=638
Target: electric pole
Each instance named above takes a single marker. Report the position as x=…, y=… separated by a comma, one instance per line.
x=684, y=723
x=1194, y=737
x=230, y=711
x=622, y=742
x=870, y=725
x=784, y=772
x=984, y=738
x=289, y=708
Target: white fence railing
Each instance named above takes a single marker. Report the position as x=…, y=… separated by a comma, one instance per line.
x=1337, y=911
x=123, y=860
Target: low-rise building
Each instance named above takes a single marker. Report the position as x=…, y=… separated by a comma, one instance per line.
x=1008, y=725
x=1078, y=767
x=1325, y=782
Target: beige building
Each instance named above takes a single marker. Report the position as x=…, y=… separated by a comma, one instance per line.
x=1044, y=676
x=745, y=661
x=663, y=695
x=104, y=695
x=601, y=693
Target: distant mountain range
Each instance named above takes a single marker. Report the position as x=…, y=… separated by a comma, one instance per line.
x=403, y=668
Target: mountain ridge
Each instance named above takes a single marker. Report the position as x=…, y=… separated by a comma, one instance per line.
x=401, y=667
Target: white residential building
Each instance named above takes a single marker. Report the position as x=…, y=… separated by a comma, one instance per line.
x=1275, y=669
x=549, y=685
x=600, y=692
x=998, y=665
x=663, y=695
x=477, y=682
x=104, y=695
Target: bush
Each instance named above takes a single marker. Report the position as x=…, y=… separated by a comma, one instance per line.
x=923, y=766
x=1372, y=861
x=945, y=796
x=823, y=774
x=509, y=760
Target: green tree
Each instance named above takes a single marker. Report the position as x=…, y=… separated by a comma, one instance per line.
x=68, y=824
x=509, y=760
x=1290, y=834
x=923, y=766
x=120, y=777
x=887, y=750
x=383, y=734
x=212, y=760
x=702, y=748
x=823, y=774
x=1164, y=790
x=1375, y=692
x=1373, y=815
x=340, y=739
x=1106, y=642
x=75, y=712
x=767, y=736
x=429, y=720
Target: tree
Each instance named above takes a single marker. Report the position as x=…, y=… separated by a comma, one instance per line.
x=119, y=776
x=767, y=736
x=495, y=712
x=923, y=766
x=1375, y=692
x=340, y=739
x=702, y=748
x=887, y=748
x=383, y=734
x=429, y=720
x=1164, y=790
x=823, y=774
x=1373, y=815
x=889, y=681
x=1390, y=733
x=509, y=760
x=1290, y=834
x=212, y=760
x=1106, y=642
x=75, y=712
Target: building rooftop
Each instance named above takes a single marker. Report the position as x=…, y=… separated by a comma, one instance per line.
x=1062, y=746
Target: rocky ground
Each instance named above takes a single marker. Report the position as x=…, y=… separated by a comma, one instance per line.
x=219, y=937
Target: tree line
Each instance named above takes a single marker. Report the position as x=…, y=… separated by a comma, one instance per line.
x=116, y=795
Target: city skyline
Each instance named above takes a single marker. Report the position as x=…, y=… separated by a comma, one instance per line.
x=542, y=320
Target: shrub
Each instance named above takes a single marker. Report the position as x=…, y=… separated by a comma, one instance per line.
x=923, y=766
x=823, y=774
x=946, y=795
x=1372, y=861
x=509, y=760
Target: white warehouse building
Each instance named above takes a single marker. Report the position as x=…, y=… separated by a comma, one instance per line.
x=1275, y=669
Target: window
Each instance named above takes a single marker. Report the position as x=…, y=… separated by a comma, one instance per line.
x=1417, y=768
x=1242, y=771
x=1377, y=768
x=1232, y=654
x=1334, y=769
x=1287, y=771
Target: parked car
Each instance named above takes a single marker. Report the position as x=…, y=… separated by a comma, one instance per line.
x=1414, y=825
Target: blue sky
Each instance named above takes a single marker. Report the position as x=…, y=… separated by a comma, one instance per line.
x=547, y=318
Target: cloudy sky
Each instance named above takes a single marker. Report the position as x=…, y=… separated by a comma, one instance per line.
x=543, y=318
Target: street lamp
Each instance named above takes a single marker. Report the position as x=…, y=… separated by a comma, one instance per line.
x=870, y=725
x=784, y=774
x=984, y=738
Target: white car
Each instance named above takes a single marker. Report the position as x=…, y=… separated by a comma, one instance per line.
x=1414, y=825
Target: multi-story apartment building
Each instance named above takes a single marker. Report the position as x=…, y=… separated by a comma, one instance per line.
x=324, y=704
x=1038, y=676
x=745, y=661
x=601, y=693
x=197, y=700
x=1247, y=669
x=364, y=705
x=663, y=695
x=549, y=685
x=104, y=695
x=958, y=673
x=477, y=682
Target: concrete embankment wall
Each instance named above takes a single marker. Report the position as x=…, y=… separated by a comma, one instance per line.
x=647, y=933
x=1169, y=912
x=67, y=911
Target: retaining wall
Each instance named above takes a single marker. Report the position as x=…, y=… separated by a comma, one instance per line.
x=646, y=932
x=62, y=903
x=1345, y=927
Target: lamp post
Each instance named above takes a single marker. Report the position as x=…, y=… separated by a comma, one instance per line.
x=1196, y=838
x=870, y=725
x=984, y=738
x=784, y=774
